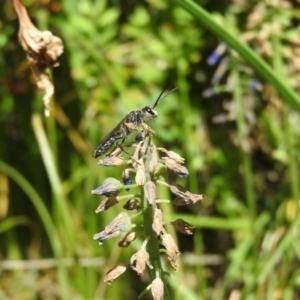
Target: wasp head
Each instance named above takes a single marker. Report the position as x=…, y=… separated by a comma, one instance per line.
x=149, y=113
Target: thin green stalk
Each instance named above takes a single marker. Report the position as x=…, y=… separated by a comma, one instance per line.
x=242, y=135
x=182, y=289
x=239, y=224
x=289, y=135
x=153, y=245
x=42, y=210
x=150, y=235
x=243, y=251
x=293, y=164
x=287, y=240
x=247, y=53
x=285, y=244
x=200, y=269
x=11, y=222
x=186, y=108
x=53, y=176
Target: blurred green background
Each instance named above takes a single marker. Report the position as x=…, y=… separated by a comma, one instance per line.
x=239, y=135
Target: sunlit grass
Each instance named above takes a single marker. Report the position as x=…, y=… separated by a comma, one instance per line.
x=117, y=59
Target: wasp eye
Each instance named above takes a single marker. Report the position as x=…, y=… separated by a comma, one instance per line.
x=150, y=111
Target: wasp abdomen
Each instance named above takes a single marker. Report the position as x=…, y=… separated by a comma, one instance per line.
x=107, y=143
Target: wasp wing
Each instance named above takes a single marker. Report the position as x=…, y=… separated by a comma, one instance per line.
x=120, y=132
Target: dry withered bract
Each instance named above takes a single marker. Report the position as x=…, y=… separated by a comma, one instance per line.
x=173, y=155
x=183, y=227
x=172, y=165
x=172, y=250
x=118, y=151
x=114, y=273
x=112, y=161
x=140, y=177
x=131, y=126
x=178, y=190
x=157, y=289
x=132, y=204
x=184, y=196
x=111, y=188
x=139, y=260
x=148, y=129
x=135, y=157
x=150, y=192
x=107, y=203
x=103, y=235
x=157, y=223
x=121, y=223
x=153, y=160
x=127, y=239
x=145, y=144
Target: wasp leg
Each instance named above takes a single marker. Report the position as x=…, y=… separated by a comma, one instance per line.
x=115, y=151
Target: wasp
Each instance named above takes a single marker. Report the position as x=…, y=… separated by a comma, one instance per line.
x=130, y=122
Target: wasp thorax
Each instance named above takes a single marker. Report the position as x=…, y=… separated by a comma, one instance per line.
x=149, y=113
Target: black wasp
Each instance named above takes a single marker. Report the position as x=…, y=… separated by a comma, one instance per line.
x=136, y=118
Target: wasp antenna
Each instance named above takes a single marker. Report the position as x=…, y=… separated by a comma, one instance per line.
x=156, y=102
x=160, y=96
x=168, y=93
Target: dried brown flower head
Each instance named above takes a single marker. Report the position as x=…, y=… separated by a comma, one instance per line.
x=42, y=49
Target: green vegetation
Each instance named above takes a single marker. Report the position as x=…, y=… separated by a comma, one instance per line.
x=234, y=118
